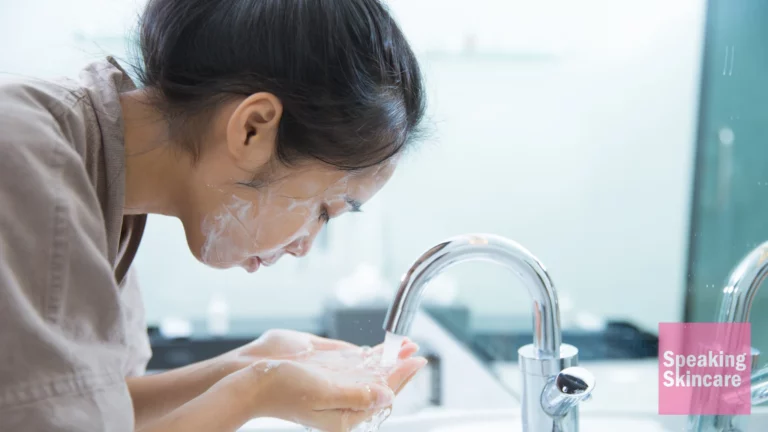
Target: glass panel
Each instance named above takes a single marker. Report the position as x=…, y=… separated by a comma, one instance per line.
x=730, y=214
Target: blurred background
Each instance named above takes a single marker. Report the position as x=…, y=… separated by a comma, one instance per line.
x=623, y=143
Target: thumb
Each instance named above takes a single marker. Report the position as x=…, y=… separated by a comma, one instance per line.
x=359, y=397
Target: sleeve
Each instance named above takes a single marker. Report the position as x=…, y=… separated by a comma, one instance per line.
x=139, y=347
x=62, y=336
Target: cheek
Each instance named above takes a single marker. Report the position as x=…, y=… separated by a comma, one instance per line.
x=228, y=232
x=242, y=228
x=280, y=227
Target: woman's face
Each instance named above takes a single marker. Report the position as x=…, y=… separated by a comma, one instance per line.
x=244, y=226
x=231, y=221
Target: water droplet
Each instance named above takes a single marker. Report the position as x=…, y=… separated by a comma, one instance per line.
x=726, y=136
x=271, y=365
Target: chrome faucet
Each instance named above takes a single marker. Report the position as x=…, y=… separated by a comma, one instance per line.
x=553, y=384
x=735, y=306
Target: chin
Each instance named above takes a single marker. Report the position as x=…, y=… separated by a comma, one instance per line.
x=196, y=243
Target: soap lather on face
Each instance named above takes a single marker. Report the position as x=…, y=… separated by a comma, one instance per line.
x=257, y=226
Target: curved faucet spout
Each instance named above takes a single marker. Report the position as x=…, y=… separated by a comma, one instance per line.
x=484, y=247
x=743, y=283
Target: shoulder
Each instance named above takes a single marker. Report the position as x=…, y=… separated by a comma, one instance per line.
x=44, y=135
x=42, y=150
x=42, y=116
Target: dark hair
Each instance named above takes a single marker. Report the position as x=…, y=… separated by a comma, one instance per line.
x=350, y=85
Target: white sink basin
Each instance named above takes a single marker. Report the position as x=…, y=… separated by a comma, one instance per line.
x=486, y=421
x=607, y=424
x=509, y=421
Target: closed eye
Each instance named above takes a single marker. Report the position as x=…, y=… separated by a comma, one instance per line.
x=354, y=205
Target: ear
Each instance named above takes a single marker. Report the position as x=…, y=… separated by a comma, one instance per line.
x=252, y=130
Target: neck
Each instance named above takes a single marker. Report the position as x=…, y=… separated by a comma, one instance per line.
x=153, y=169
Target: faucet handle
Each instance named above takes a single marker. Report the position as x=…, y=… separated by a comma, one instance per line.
x=565, y=390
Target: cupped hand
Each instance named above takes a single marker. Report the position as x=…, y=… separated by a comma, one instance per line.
x=309, y=394
x=293, y=387
x=290, y=344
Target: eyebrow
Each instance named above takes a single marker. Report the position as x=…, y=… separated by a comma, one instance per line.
x=353, y=203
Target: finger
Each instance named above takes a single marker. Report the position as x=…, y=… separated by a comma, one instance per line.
x=408, y=350
x=405, y=371
x=339, y=420
x=357, y=397
x=406, y=381
x=322, y=343
x=379, y=349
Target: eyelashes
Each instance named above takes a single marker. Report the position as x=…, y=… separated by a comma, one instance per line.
x=253, y=184
x=324, y=217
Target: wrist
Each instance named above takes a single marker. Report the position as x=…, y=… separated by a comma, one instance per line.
x=231, y=362
x=246, y=388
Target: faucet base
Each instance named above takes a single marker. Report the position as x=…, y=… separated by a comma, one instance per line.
x=536, y=374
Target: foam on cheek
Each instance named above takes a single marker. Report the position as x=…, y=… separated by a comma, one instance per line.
x=235, y=232
x=222, y=229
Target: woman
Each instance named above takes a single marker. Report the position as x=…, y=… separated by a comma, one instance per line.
x=255, y=123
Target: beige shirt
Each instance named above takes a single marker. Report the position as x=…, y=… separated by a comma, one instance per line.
x=71, y=318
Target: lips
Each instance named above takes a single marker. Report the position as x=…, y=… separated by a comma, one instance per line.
x=252, y=264
x=270, y=260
